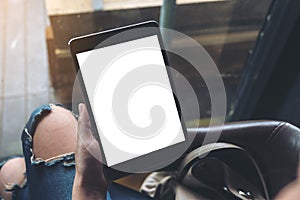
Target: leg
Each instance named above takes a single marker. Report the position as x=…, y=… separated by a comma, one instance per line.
x=12, y=174
x=49, y=142
x=49, y=139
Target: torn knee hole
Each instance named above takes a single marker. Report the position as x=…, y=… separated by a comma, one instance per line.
x=56, y=134
x=64, y=159
x=12, y=174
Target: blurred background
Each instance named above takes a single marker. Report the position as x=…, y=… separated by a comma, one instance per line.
x=36, y=67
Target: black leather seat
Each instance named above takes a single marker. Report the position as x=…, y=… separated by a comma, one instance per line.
x=275, y=146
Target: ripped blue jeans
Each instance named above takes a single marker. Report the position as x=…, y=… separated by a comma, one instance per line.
x=52, y=179
x=46, y=179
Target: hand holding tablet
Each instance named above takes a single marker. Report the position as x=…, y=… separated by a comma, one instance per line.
x=129, y=95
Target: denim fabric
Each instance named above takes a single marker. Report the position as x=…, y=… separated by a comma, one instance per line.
x=53, y=179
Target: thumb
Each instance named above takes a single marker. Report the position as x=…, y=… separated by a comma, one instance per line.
x=84, y=127
x=87, y=145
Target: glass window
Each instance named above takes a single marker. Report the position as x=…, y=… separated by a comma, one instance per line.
x=226, y=28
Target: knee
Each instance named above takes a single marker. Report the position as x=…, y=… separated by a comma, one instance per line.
x=56, y=134
x=12, y=173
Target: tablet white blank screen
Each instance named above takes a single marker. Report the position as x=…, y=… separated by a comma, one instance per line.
x=101, y=77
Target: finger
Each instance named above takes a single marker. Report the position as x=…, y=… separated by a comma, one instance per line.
x=85, y=136
x=84, y=125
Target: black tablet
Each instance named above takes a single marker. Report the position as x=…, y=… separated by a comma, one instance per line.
x=129, y=95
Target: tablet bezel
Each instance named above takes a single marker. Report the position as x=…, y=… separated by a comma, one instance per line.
x=91, y=42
